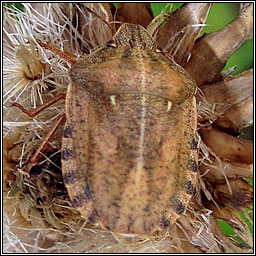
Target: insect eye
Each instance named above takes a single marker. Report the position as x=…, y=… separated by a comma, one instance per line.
x=111, y=43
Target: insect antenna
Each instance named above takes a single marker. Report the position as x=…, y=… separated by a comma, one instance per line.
x=57, y=51
x=36, y=111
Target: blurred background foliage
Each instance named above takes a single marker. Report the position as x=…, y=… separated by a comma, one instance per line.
x=219, y=16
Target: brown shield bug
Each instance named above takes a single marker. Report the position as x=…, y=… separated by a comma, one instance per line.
x=129, y=153
x=129, y=156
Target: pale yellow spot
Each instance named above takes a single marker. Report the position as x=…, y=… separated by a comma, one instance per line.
x=113, y=100
x=169, y=106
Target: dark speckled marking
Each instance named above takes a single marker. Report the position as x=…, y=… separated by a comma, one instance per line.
x=98, y=87
x=147, y=208
x=147, y=227
x=78, y=104
x=193, y=144
x=152, y=57
x=68, y=178
x=79, y=200
x=188, y=187
x=67, y=132
x=177, y=205
x=131, y=221
x=165, y=223
x=126, y=54
x=66, y=154
x=192, y=165
x=88, y=192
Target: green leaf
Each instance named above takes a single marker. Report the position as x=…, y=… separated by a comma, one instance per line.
x=17, y=5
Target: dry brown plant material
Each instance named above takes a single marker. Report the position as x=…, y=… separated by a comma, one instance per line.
x=233, y=98
x=136, y=13
x=211, y=51
x=180, y=30
x=217, y=170
x=39, y=216
x=238, y=150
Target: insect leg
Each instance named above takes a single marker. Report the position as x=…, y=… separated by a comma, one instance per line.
x=36, y=111
x=33, y=160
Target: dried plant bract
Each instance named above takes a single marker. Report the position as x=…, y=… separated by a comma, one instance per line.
x=148, y=159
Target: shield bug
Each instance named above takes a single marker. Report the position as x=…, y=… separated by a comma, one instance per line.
x=129, y=150
x=129, y=154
